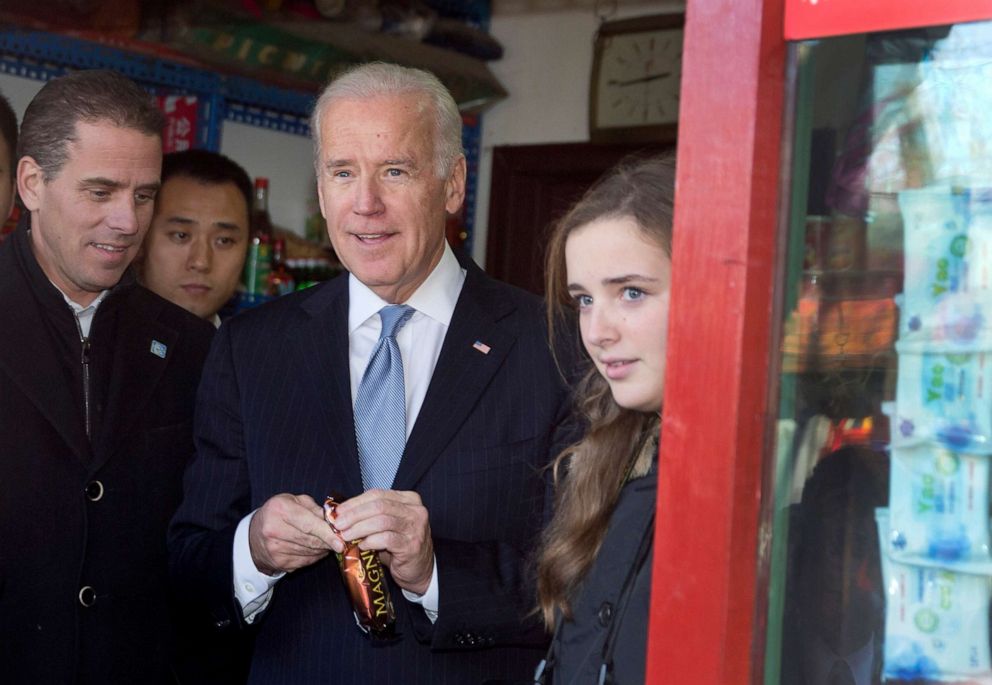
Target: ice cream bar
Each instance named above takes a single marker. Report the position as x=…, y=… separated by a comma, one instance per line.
x=365, y=579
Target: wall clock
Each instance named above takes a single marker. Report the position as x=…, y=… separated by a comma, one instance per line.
x=634, y=93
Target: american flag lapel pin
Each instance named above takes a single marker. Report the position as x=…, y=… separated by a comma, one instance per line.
x=481, y=347
x=158, y=349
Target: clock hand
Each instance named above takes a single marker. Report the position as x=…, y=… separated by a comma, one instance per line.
x=642, y=79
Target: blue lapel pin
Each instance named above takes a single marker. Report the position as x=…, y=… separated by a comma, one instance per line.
x=158, y=349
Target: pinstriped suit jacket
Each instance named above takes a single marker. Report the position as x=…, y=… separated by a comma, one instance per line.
x=274, y=415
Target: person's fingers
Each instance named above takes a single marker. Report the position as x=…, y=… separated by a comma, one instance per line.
x=380, y=510
x=289, y=532
x=372, y=502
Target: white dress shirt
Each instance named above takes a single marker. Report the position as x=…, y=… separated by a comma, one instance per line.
x=434, y=302
x=84, y=315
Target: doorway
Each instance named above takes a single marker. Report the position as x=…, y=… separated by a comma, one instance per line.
x=532, y=187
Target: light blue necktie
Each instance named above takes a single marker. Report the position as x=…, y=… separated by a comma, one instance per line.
x=380, y=406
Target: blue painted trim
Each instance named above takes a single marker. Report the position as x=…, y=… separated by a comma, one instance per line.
x=267, y=118
x=42, y=56
x=212, y=111
x=76, y=53
x=255, y=93
x=31, y=70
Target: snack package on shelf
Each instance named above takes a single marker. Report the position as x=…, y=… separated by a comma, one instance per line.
x=936, y=620
x=944, y=396
x=947, y=296
x=939, y=508
x=955, y=321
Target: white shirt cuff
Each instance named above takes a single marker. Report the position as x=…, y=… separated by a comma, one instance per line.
x=428, y=600
x=252, y=588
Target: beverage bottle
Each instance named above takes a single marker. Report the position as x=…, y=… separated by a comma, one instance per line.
x=280, y=280
x=307, y=270
x=258, y=263
x=260, y=221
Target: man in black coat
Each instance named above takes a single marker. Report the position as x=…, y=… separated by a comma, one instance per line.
x=8, y=148
x=97, y=384
x=835, y=600
x=280, y=407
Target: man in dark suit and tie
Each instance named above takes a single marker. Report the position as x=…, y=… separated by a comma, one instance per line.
x=417, y=388
x=97, y=385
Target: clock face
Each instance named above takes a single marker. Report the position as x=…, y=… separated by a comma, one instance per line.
x=637, y=80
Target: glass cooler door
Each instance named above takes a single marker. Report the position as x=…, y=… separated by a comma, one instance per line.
x=881, y=567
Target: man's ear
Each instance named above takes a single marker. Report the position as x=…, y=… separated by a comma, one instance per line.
x=30, y=182
x=454, y=187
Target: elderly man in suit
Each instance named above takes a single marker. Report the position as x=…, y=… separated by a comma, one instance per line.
x=419, y=389
x=97, y=382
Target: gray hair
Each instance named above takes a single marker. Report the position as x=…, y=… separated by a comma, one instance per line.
x=376, y=79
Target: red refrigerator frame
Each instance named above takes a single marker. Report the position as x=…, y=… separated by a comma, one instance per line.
x=713, y=534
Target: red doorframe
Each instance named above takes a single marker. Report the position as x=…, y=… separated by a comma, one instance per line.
x=806, y=19
x=706, y=605
x=716, y=414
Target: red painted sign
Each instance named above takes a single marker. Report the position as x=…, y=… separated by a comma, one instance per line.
x=180, y=128
x=822, y=18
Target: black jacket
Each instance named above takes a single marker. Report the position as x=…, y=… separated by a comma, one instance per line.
x=83, y=522
x=600, y=610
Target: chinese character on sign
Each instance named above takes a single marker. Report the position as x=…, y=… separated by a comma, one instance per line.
x=181, y=116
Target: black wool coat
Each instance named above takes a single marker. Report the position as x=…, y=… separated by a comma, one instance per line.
x=84, y=595
x=601, y=612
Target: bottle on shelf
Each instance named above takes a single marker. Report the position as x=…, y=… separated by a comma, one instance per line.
x=314, y=228
x=258, y=264
x=306, y=273
x=280, y=279
x=260, y=221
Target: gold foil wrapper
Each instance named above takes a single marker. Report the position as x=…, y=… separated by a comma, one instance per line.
x=365, y=579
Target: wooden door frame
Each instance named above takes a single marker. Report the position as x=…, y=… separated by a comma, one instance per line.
x=521, y=175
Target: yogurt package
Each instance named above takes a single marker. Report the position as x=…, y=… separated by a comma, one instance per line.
x=955, y=321
x=945, y=397
x=939, y=508
x=948, y=264
x=936, y=620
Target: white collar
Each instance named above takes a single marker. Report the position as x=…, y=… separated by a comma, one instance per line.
x=436, y=297
x=79, y=309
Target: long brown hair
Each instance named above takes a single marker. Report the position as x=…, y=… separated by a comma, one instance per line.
x=589, y=475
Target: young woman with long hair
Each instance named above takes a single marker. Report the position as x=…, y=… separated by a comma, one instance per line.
x=609, y=263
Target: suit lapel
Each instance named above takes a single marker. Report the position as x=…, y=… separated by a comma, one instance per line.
x=29, y=359
x=461, y=375
x=323, y=361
